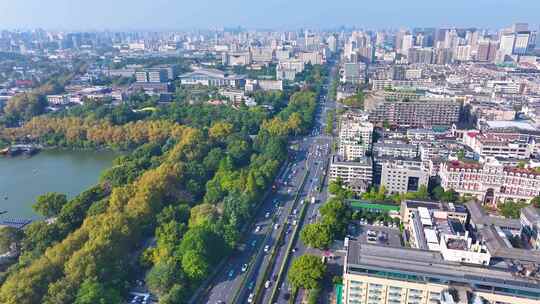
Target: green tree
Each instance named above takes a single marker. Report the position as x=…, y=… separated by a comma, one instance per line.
x=316, y=235
x=438, y=192
x=176, y=295
x=8, y=236
x=450, y=196
x=195, y=265
x=306, y=272
x=511, y=209
x=93, y=292
x=50, y=204
x=163, y=276
x=536, y=201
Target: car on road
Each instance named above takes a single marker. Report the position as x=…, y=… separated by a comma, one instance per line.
x=258, y=228
x=250, y=298
x=267, y=284
x=244, y=267
x=266, y=248
x=267, y=215
x=231, y=273
x=251, y=285
x=276, y=226
x=253, y=243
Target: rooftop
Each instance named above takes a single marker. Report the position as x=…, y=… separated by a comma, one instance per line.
x=425, y=265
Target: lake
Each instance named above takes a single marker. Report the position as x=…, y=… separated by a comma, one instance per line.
x=22, y=179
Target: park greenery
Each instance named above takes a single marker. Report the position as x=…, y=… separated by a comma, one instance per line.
x=169, y=210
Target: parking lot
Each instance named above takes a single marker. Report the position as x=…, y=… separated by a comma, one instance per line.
x=376, y=234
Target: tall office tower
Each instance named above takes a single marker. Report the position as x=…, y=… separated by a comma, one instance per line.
x=507, y=42
x=350, y=46
x=532, y=41
x=487, y=51
x=451, y=39
x=420, y=40
x=521, y=45
x=398, y=43
x=420, y=55
x=462, y=53
x=520, y=27
x=380, y=38
x=444, y=56
x=440, y=35
x=472, y=38
x=332, y=43
x=406, y=44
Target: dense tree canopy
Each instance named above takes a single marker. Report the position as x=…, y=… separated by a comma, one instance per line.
x=306, y=272
x=50, y=204
x=192, y=182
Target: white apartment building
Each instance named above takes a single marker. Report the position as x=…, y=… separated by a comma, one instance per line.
x=356, y=174
x=403, y=175
x=506, y=145
x=311, y=57
x=355, y=136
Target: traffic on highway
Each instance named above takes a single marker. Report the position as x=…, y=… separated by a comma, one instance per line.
x=256, y=272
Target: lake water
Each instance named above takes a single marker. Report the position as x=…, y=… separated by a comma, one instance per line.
x=22, y=179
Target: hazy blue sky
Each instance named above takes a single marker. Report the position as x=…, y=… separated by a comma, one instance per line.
x=179, y=14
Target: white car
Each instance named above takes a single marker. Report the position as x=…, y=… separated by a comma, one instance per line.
x=267, y=284
x=244, y=267
x=257, y=229
x=266, y=248
x=250, y=298
x=267, y=215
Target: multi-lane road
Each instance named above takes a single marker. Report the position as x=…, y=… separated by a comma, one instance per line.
x=249, y=268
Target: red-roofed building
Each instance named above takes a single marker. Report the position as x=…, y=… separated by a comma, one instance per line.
x=491, y=182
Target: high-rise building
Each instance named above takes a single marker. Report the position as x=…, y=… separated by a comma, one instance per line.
x=444, y=56
x=407, y=44
x=487, y=51
x=420, y=55
x=332, y=43
x=521, y=45
x=462, y=53
x=355, y=136
x=520, y=27
x=506, y=45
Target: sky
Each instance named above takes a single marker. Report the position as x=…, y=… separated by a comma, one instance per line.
x=262, y=14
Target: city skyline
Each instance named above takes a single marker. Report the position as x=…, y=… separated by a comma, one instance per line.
x=138, y=15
